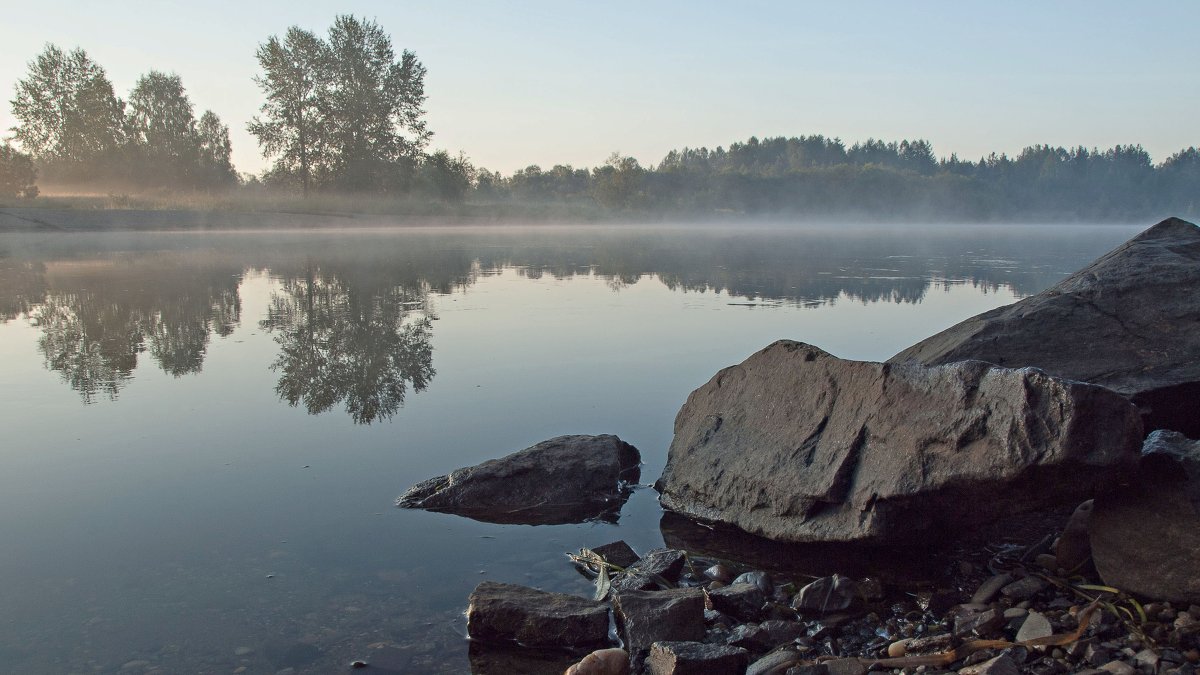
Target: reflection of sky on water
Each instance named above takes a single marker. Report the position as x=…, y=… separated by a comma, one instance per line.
x=145, y=527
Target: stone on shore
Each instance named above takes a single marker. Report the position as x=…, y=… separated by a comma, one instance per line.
x=1127, y=322
x=511, y=613
x=797, y=445
x=646, y=617
x=611, y=661
x=695, y=658
x=1145, y=537
x=568, y=479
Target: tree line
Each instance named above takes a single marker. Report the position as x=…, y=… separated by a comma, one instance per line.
x=74, y=128
x=816, y=176
x=343, y=112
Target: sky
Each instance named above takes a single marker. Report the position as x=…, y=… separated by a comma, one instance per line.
x=512, y=84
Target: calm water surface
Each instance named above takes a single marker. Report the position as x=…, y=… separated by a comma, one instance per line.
x=203, y=434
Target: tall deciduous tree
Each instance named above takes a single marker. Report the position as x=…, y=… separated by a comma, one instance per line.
x=374, y=108
x=163, y=127
x=343, y=111
x=68, y=115
x=216, y=165
x=295, y=71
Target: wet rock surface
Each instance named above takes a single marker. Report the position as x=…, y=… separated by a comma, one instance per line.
x=501, y=612
x=1145, y=536
x=567, y=479
x=797, y=445
x=1127, y=321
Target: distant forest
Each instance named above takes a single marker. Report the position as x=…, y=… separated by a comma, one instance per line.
x=342, y=114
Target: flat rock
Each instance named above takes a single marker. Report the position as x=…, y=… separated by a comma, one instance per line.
x=658, y=565
x=1145, y=537
x=743, y=602
x=1035, y=626
x=695, y=658
x=797, y=445
x=568, y=479
x=1127, y=321
x=646, y=617
x=511, y=613
x=618, y=553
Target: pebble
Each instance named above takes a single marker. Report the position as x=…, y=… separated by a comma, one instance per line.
x=1036, y=626
x=720, y=573
x=1023, y=589
x=988, y=589
x=1118, y=668
x=897, y=649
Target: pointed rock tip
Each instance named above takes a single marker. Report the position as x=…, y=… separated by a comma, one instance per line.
x=1173, y=227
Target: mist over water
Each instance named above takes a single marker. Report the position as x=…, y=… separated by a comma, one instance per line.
x=204, y=433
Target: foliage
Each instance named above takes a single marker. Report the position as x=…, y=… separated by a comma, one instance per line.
x=17, y=174
x=68, y=115
x=215, y=151
x=162, y=129
x=77, y=130
x=342, y=112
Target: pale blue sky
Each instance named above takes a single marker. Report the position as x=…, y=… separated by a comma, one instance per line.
x=518, y=83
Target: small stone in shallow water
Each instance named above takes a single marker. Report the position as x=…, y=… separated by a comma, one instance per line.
x=618, y=553
x=242, y=651
x=358, y=664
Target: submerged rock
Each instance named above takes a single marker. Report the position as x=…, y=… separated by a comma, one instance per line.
x=1127, y=322
x=511, y=613
x=568, y=479
x=798, y=445
x=1145, y=537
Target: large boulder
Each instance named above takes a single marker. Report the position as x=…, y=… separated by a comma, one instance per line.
x=1145, y=536
x=797, y=445
x=1128, y=321
x=568, y=479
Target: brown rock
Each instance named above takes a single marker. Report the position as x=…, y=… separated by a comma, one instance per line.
x=1125, y=322
x=797, y=445
x=646, y=617
x=1145, y=537
x=695, y=658
x=508, y=612
x=611, y=661
x=568, y=479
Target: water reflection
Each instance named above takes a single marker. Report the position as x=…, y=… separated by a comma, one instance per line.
x=352, y=317
x=343, y=340
x=97, y=317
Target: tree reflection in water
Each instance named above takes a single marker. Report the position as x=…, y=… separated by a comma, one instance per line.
x=344, y=340
x=96, y=323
